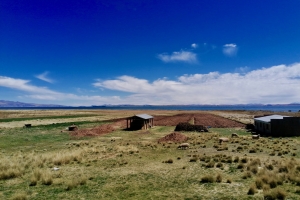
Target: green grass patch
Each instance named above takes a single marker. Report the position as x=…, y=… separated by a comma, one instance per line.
x=45, y=117
x=228, y=131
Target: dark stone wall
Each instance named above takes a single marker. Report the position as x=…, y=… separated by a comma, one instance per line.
x=190, y=127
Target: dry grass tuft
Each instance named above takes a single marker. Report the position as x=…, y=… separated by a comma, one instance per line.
x=274, y=194
x=208, y=179
x=259, y=183
x=211, y=164
x=219, y=178
x=244, y=160
x=252, y=190
x=46, y=178
x=170, y=161
x=19, y=196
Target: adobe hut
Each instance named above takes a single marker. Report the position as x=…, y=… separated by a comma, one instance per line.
x=278, y=125
x=137, y=122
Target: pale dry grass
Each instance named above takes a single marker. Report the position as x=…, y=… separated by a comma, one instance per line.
x=124, y=163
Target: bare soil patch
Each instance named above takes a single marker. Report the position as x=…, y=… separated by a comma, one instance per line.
x=100, y=130
x=96, y=131
x=205, y=119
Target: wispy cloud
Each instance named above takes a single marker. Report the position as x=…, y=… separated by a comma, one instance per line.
x=23, y=85
x=179, y=56
x=42, y=93
x=44, y=77
x=230, y=49
x=242, y=69
x=194, y=45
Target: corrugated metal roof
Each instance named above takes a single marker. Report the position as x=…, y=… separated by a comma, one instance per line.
x=268, y=118
x=144, y=116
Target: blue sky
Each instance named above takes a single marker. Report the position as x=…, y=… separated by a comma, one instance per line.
x=150, y=52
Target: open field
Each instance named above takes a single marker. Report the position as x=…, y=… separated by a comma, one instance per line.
x=48, y=162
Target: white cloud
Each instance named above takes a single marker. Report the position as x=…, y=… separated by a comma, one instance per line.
x=45, y=94
x=230, y=49
x=194, y=45
x=277, y=84
x=242, y=69
x=44, y=77
x=23, y=85
x=181, y=56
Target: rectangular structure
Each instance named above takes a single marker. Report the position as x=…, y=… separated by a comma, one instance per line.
x=278, y=125
x=141, y=121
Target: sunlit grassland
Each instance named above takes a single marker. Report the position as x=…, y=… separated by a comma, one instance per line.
x=44, y=163
x=46, y=117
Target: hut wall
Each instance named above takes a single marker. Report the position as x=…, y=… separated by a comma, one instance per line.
x=263, y=127
x=138, y=123
x=286, y=127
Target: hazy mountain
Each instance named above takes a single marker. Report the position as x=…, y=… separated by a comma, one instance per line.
x=4, y=103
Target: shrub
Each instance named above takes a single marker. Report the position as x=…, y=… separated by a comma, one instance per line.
x=283, y=169
x=236, y=159
x=265, y=178
x=255, y=162
x=266, y=188
x=33, y=181
x=280, y=180
x=239, y=148
x=273, y=183
x=219, y=178
x=252, y=151
x=216, y=159
x=277, y=193
x=254, y=169
x=210, y=164
x=246, y=175
x=252, y=190
x=244, y=160
x=208, y=179
x=71, y=184
x=279, y=154
x=202, y=158
x=270, y=167
x=219, y=164
x=259, y=183
x=10, y=173
x=19, y=196
x=47, y=179
x=240, y=166
x=229, y=160
x=272, y=154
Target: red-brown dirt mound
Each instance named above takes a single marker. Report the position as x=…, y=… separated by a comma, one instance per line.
x=100, y=130
x=96, y=131
x=205, y=119
x=173, y=137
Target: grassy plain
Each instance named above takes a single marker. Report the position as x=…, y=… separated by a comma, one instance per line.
x=44, y=162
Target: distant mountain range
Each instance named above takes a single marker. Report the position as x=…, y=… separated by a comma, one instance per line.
x=17, y=104
x=4, y=103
